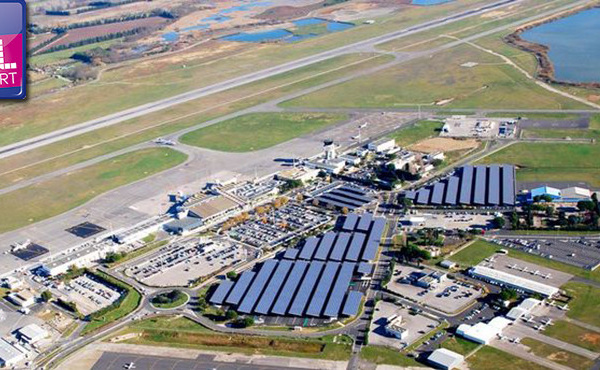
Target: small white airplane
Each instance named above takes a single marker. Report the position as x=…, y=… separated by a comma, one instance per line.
x=129, y=365
x=364, y=125
x=515, y=340
x=540, y=327
x=527, y=319
x=564, y=308
x=547, y=322
x=357, y=137
x=547, y=276
x=501, y=337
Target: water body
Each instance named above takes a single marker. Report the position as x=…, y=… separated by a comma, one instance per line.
x=430, y=2
x=574, y=44
x=272, y=35
x=170, y=36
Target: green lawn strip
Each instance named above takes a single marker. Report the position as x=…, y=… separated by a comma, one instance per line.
x=474, y=253
x=536, y=116
x=109, y=139
x=185, y=334
x=180, y=300
x=386, y=356
x=63, y=193
x=441, y=327
x=584, y=303
x=558, y=355
x=490, y=84
x=130, y=299
x=574, y=334
x=414, y=133
x=459, y=345
x=537, y=133
x=491, y=358
x=257, y=131
x=149, y=247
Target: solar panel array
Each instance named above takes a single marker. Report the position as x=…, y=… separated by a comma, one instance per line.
x=314, y=280
x=492, y=185
x=350, y=197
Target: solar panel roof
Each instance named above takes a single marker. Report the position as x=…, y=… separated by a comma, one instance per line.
x=318, y=300
x=339, y=289
x=291, y=253
x=272, y=289
x=356, y=246
x=352, y=303
x=494, y=185
x=289, y=288
x=241, y=285
x=350, y=222
x=411, y=194
x=255, y=290
x=466, y=185
x=452, y=190
x=341, y=199
x=308, y=250
x=325, y=246
x=423, y=196
x=480, y=185
x=340, y=246
x=438, y=193
x=334, y=203
x=508, y=185
x=354, y=189
x=351, y=195
x=305, y=290
x=221, y=292
x=365, y=222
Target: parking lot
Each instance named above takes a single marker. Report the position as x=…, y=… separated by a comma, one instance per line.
x=447, y=221
x=579, y=252
x=417, y=326
x=187, y=260
x=277, y=225
x=88, y=294
x=446, y=295
x=527, y=270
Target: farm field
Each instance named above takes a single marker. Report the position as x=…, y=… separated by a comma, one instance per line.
x=441, y=82
x=79, y=34
x=551, y=162
x=491, y=358
x=574, y=334
x=87, y=146
x=557, y=355
x=259, y=130
x=128, y=86
x=60, y=194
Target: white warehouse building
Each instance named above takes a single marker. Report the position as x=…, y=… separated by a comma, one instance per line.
x=512, y=281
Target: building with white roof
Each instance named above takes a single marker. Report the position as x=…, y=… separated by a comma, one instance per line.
x=32, y=333
x=502, y=278
x=443, y=358
x=394, y=328
x=481, y=332
x=24, y=298
x=575, y=194
x=382, y=145
x=10, y=354
x=522, y=309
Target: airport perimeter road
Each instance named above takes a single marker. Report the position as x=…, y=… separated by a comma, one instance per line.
x=365, y=45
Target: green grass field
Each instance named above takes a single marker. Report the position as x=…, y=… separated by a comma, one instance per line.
x=491, y=358
x=574, y=334
x=386, y=356
x=584, y=304
x=182, y=299
x=557, y=355
x=184, y=333
x=491, y=84
x=63, y=193
x=474, y=253
x=65, y=55
x=259, y=130
x=414, y=133
x=551, y=162
x=459, y=345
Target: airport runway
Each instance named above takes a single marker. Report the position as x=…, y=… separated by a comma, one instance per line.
x=118, y=361
x=365, y=45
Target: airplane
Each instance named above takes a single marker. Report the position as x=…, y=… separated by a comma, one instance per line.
x=514, y=267
x=363, y=125
x=547, y=276
x=547, y=322
x=564, y=308
x=129, y=365
x=357, y=137
x=540, y=327
x=515, y=340
x=527, y=319
x=500, y=336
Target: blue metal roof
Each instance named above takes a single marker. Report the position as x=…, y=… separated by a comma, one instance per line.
x=452, y=190
x=272, y=289
x=466, y=185
x=221, y=292
x=318, y=300
x=480, y=185
x=290, y=287
x=257, y=286
x=356, y=246
x=325, y=246
x=308, y=249
x=340, y=246
x=494, y=185
x=350, y=222
x=352, y=303
x=339, y=289
x=305, y=290
x=365, y=222
x=241, y=285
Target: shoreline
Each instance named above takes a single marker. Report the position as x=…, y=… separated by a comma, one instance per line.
x=545, y=68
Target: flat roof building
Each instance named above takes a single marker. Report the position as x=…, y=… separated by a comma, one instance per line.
x=512, y=281
x=443, y=358
x=481, y=332
x=9, y=355
x=32, y=333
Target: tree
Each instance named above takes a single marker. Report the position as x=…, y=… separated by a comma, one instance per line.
x=586, y=206
x=232, y=275
x=509, y=295
x=231, y=315
x=245, y=322
x=46, y=296
x=406, y=203
x=499, y=222
x=514, y=220
x=549, y=211
x=345, y=211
